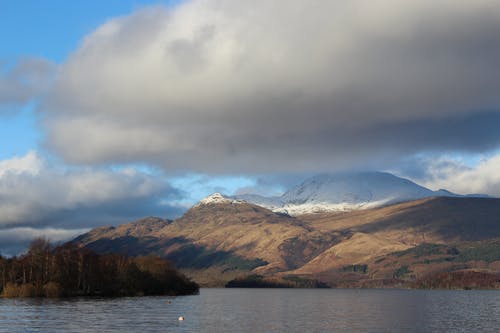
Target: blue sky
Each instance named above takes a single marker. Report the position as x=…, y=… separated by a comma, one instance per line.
x=53, y=29
x=11, y=126
x=112, y=110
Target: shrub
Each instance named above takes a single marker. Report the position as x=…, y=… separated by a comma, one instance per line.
x=52, y=290
x=11, y=290
x=355, y=268
x=401, y=272
x=424, y=249
x=27, y=290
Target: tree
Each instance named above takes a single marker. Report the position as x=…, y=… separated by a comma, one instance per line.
x=73, y=271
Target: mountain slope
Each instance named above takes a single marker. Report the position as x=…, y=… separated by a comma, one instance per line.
x=222, y=238
x=380, y=231
x=218, y=231
x=437, y=219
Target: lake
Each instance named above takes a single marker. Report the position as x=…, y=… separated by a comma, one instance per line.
x=262, y=310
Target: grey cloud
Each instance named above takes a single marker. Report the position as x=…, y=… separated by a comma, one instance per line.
x=470, y=132
x=273, y=184
x=220, y=86
x=24, y=80
x=14, y=241
x=418, y=167
x=36, y=194
x=188, y=54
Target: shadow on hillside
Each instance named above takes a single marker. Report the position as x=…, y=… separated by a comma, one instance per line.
x=181, y=251
x=467, y=218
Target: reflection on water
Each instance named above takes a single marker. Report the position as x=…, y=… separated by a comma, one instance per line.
x=262, y=310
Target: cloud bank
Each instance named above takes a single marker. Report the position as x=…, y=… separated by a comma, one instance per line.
x=219, y=86
x=39, y=198
x=16, y=240
x=36, y=194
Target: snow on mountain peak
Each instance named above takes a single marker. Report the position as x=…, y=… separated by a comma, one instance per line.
x=336, y=192
x=217, y=198
x=354, y=189
x=344, y=192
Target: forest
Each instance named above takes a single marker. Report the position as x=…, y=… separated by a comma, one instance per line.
x=72, y=271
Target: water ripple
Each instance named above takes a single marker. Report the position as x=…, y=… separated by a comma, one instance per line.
x=261, y=310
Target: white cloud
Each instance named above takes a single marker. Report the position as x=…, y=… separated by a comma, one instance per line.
x=31, y=164
x=34, y=192
x=269, y=86
x=455, y=176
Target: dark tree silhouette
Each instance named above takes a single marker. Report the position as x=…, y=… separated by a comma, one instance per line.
x=69, y=270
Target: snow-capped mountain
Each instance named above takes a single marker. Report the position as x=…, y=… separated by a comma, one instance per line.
x=344, y=192
x=217, y=198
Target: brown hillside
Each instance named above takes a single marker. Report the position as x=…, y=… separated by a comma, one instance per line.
x=225, y=231
x=441, y=219
x=233, y=237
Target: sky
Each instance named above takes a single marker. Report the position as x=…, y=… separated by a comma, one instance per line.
x=115, y=110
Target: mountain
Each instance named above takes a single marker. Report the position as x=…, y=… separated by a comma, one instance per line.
x=345, y=192
x=218, y=232
x=220, y=239
x=217, y=198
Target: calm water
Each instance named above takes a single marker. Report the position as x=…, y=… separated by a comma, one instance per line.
x=263, y=310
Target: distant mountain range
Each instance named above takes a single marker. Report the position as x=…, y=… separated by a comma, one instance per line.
x=346, y=192
x=367, y=230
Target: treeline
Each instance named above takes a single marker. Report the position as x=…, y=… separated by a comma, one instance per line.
x=459, y=280
x=67, y=271
x=259, y=281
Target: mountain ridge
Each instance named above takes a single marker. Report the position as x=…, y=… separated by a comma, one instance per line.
x=346, y=192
